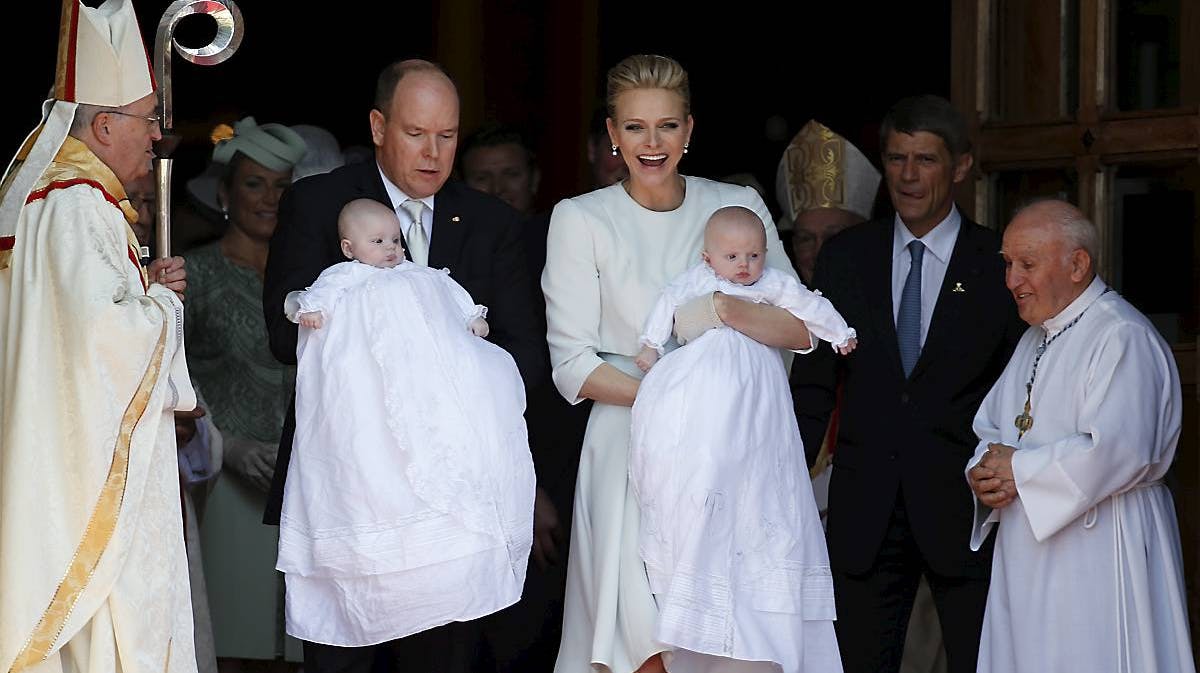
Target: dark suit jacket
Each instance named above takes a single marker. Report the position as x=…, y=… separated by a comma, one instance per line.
x=910, y=435
x=476, y=236
x=556, y=427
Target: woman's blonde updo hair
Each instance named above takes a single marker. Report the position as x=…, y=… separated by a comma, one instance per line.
x=647, y=71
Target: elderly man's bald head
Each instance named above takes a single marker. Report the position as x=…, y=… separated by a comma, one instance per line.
x=1075, y=228
x=1050, y=254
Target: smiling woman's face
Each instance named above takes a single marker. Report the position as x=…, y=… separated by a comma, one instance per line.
x=252, y=197
x=650, y=129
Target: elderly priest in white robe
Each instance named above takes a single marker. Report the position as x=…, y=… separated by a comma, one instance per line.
x=93, y=572
x=1075, y=438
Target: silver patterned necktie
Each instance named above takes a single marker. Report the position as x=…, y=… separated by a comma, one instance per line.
x=908, y=318
x=418, y=242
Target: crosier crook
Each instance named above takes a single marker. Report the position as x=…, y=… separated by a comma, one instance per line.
x=229, y=36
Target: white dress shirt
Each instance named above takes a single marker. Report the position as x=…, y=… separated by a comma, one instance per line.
x=398, y=198
x=939, y=245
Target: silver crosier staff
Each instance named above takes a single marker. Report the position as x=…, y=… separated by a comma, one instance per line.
x=229, y=36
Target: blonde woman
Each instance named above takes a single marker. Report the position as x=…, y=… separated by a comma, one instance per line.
x=609, y=254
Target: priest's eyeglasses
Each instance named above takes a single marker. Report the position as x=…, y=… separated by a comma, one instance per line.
x=154, y=120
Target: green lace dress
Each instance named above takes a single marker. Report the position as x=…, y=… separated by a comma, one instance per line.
x=248, y=393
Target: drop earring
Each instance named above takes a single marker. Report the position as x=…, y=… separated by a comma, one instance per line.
x=685, y=148
x=614, y=150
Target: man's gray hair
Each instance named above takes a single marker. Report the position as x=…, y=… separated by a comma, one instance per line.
x=84, y=114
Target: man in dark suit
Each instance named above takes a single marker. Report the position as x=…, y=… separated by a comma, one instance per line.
x=499, y=160
x=414, y=127
x=926, y=292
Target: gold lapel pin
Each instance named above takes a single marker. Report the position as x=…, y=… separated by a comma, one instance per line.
x=454, y=219
x=958, y=288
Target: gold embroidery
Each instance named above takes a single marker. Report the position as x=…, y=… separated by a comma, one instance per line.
x=815, y=169
x=100, y=526
x=75, y=160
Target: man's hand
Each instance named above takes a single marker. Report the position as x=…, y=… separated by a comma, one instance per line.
x=697, y=317
x=185, y=425
x=646, y=358
x=547, y=532
x=992, y=479
x=311, y=320
x=170, y=274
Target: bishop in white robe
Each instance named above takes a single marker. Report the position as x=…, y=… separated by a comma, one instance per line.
x=1087, y=572
x=93, y=570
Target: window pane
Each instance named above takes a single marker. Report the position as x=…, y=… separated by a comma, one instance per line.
x=1155, y=243
x=1013, y=189
x=1035, y=68
x=1147, y=54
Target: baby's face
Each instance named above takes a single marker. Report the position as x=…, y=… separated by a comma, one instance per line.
x=736, y=253
x=374, y=241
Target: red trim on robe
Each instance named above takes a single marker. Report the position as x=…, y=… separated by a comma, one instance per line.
x=72, y=52
x=137, y=264
x=63, y=184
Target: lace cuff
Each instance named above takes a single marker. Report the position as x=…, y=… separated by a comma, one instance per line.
x=291, y=306
x=850, y=334
x=478, y=311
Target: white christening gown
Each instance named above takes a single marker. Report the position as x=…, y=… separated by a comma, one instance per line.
x=409, y=498
x=730, y=532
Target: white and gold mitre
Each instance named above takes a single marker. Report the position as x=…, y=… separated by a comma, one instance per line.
x=101, y=61
x=821, y=169
x=101, y=57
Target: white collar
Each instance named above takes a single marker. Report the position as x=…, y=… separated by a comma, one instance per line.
x=1056, y=323
x=939, y=240
x=397, y=196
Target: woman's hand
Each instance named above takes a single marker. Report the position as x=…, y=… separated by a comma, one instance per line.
x=696, y=317
x=253, y=461
x=609, y=385
x=766, y=324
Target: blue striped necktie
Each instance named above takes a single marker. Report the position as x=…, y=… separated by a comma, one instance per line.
x=908, y=320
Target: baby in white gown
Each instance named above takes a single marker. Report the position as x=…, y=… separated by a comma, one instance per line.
x=730, y=533
x=409, y=497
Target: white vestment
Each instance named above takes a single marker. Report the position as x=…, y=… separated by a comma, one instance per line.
x=1087, y=572
x=730, y=533
x=93, y=571
x=409, y=497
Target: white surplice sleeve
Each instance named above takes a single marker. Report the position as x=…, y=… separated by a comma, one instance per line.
x=325, y=291
x=571, y=283
x=1129, y=418
x=817, y=312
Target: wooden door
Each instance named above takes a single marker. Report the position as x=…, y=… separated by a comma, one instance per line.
x=1098, y=102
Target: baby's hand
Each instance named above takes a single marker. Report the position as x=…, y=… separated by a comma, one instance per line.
x=850, y=345
x=311, y=320
x=479, y=327
x=646, y=358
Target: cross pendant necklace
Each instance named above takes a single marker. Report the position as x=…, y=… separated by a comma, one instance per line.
x=1024, y=421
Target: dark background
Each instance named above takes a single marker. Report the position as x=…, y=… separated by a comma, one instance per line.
x=758, y=71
